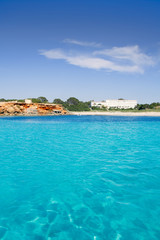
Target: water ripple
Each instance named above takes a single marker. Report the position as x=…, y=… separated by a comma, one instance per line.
x=83, y=178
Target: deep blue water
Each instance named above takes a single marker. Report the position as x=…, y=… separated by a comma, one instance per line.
x=80, y=178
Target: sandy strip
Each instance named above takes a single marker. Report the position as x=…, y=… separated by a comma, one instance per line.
x=96, y=113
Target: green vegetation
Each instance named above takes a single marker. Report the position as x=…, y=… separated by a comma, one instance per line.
x=34, y=100
x=154, y=105
x=73, y=104
x=21, y=100
x=7, y=100
x=2, y=100
x=43, y=99
x=99, y=109
x=58, y=101
x=39, y=100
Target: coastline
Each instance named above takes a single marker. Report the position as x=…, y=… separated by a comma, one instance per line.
x=134, y=114
x=14, y=108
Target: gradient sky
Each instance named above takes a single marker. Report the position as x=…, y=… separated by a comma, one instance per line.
x=89, y=49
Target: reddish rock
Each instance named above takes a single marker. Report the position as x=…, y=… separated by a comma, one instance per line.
x=16, y=108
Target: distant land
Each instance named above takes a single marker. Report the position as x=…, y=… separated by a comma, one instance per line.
x=73, y=106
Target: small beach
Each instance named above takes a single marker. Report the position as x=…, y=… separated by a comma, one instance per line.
x=134, y=114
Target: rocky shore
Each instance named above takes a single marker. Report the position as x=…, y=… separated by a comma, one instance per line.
x=24, y=109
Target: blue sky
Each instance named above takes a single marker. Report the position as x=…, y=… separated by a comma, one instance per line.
x=89, y=49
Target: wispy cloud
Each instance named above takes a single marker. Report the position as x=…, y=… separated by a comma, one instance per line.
x=129, y=59
x=130, y=53
x=83, y=44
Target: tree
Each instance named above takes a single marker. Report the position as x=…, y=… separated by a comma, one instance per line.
x=58, y=101
x=142, y=106
x=35, y=100
x=2, y=100
x=42, y=99
x=72, y=101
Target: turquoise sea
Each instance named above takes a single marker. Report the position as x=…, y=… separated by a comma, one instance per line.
x=80, y=178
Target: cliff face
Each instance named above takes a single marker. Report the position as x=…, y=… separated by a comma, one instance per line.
x=16, y=108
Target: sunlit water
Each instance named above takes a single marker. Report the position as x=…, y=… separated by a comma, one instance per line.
x=80, y=178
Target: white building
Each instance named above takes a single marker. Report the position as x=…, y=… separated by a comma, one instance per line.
x=121, y=104
x=28, y=101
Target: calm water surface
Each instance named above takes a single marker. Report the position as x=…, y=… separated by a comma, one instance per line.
x=80, y=178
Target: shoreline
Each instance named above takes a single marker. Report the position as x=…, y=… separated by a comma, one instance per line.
x=130, y=114
x=87, y=113
x=33, y=115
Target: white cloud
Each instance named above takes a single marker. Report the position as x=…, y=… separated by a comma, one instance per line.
x=129, y=59
x=90, y=61
x=130, y=53
x=83, y=44
x=53, y=53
